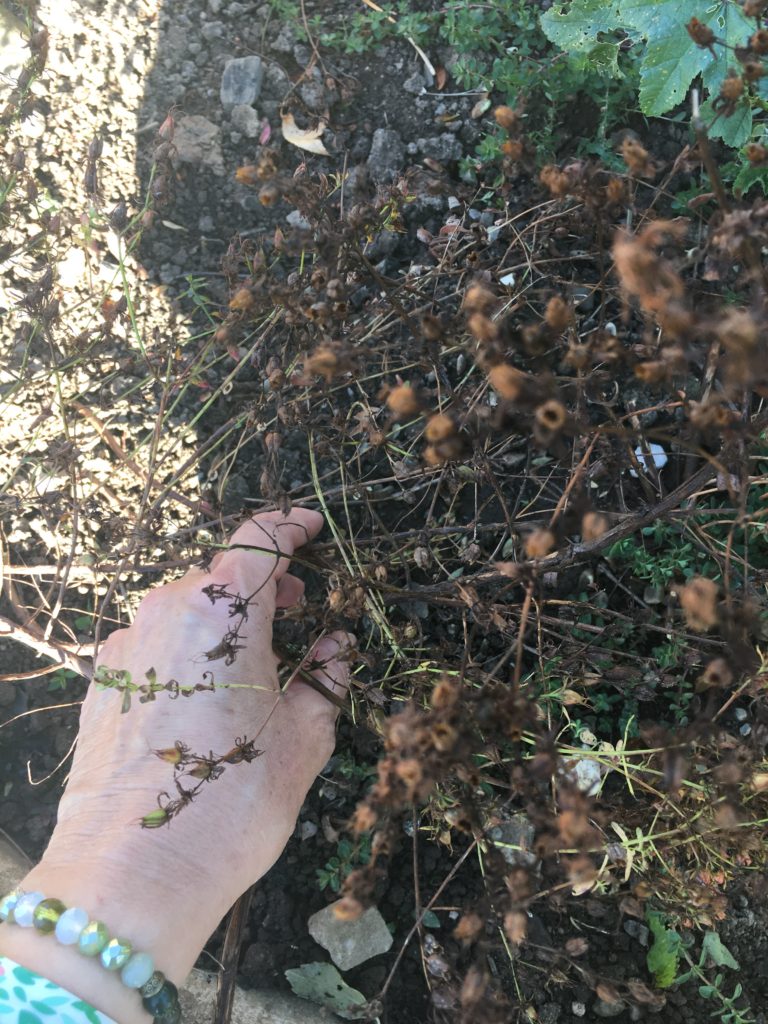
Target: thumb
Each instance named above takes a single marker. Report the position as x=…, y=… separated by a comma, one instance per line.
x=328, y=663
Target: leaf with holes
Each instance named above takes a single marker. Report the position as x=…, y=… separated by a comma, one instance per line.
x=322, y=984
x=580, y=29
x=672, y=60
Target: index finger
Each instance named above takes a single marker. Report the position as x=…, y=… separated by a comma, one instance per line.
x=261, y=548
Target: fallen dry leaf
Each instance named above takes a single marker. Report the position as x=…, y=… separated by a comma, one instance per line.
x=441, y=77
x=305, y=138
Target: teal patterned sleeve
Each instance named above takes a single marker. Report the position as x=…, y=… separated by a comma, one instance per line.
x=27, y=998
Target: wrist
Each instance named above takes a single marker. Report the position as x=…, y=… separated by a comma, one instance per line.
x=153, y=920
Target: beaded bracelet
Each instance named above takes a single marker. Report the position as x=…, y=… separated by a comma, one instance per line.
x=72, y=927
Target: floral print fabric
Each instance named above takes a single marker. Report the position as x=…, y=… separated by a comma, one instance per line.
x=27, y=998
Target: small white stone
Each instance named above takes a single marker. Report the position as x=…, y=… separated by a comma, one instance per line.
x=658, y=457
x=138, y=970
x=24, y=910
x=70, y=924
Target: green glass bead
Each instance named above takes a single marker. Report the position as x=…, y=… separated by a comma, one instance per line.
x=172, y=1016
x=7, y=903
x=93, y=938
x=162, y=1002
x=153, y=986
x=46, y=914
x=116, y=954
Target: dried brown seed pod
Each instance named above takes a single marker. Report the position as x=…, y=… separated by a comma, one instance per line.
x=243, y=300
x=444, y=695
x=444, y=737
x=507, y=118
x=551, y=415
x=717, y=675
x=698, y=599
x=558, y=314
x=470, y=926
x=439, y=427
x=482, y=328
x=593, y=525
x=637, y=158
x=756, y=153
x=732, y=87
x=701, y=34
x=516, y=926
x=653, y=372
x=479, y=299
x=247, y=175
x=323, y=361
x=507, y=381
x=540, y=543
x=754, y=8
x=364, y=818
x=557, y=181
x=347, y=909
x=513, y=149
x=403, y=401
x=758, y=43
x=432, y=328
x=269, y=194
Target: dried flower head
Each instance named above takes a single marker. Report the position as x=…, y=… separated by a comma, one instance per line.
x=551, y=416
x=558, y=314
x=716, y=676
x=698, y=599
x=402, y=401
x=482, y=328
x=516, y=926
x=507, y=381
x=324, y=362
x=479, y=299
x=637, y=158
x=439, y=427
x=701, y=34
x=557, y=181
x=507, y=118
x=540, y=543
x=593, y=525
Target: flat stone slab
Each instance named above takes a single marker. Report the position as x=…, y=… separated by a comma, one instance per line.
x=198, y=1003
x=350, y=942
x=13, y=865
x=241, y=82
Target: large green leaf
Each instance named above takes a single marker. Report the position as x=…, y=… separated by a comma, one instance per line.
x=672, y=59
x=664, y=955
x=714, y=948
x=322, y=984
x=734, y=130
x=578, y=27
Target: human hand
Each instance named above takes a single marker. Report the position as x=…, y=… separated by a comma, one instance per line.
x=167, y=888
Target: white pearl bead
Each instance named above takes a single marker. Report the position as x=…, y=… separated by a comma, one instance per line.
x=138, y=970
x=70, y=924
x=24, y=910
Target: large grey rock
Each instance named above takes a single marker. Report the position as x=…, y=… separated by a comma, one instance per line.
x=246, y=120
x=443, y=148
x=607, y=1010
x=350, y=942
x=514, y=838
x=13, y=865
x=198, y=1003
x=198, y=141
x=387, y=155
x=241, y=82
